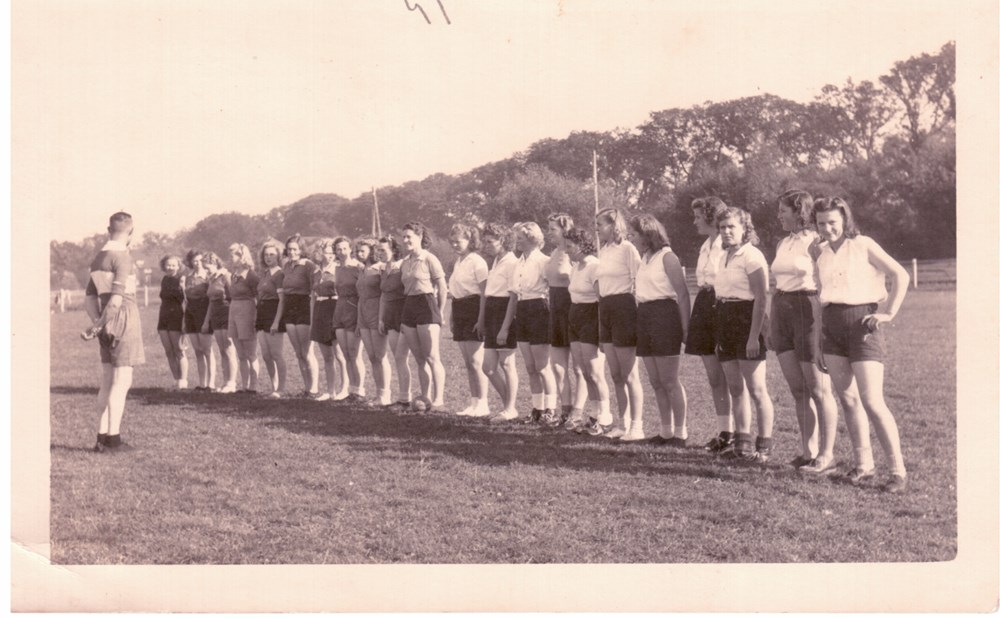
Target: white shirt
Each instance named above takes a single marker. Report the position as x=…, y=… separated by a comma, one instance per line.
x=581, y=281
x=651, y=281
x=501, y=276
x=618, y=266
x=469, y=272
x=708, y=261
x=558, y=269
x=529, y=276
x=793, y=267
x=733, y=280
x=847, y=276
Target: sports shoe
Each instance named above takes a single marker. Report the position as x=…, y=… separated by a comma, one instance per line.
x=319, y=396
x=818, y=467
x=480, y=411
x=615, y=432
x=896, y=484
x=633, y=434
x=503, y=416
x=719, y=444
x=535, y=416
x=659, y=440
x=572, y=424
x=228, y=388
x=465, y=411
x=762, y=455
x=550, y=418
x=677, y=442
x=857, y=476
x=593, y=428
x=274, y=395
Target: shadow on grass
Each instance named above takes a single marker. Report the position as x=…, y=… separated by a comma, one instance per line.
x=418, y=437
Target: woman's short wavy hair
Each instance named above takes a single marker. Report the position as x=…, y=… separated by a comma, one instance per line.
x=297, y=239
x=617, y=218
x=711, y=206
x=243, y=255
x=502, y=233
x=212, y=258
x=582, y=239
x=270, y=244
x=422, y=231
x=163, y=261
x=742, y=216
x=653, y=234
x=366, y=241
x=800, y=202
x=191, y=255
x=466, y=231
x=393, y=244
x=825, y=205
x=563, y=220
x=531, y=231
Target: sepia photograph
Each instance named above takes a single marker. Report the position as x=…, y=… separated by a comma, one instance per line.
x=451, y=305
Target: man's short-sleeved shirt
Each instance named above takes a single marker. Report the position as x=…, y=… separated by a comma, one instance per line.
x=112, y=272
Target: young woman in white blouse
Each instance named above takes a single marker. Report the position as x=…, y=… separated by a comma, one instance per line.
x=495, y=311
x=794, y=334
x=466, y=287
x=426, y=295
x=664, y=307
x=529, y=296
x=701, y=328
x=741, y=297
x=557, y=273
x=618, y=264
x=852, y=272
x=584, y=329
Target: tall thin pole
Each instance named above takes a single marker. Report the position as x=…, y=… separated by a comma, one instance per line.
x=376, y=222
x=597, y=207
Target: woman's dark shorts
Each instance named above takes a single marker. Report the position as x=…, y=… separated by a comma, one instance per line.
x=194, y=315
x=266, y=311
x=533, y=321
x=420, y=309
x=701, y=327
x=584, y=323
x=658, y=331
x=845, y=335
x=296, y=310
x=792, y=324
x=559, y=302
x=321, y=327
x=617, y=317
x=496, y=311
x=464, y=316
x=734, y=319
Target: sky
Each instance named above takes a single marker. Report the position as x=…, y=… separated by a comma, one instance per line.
x=176, y=110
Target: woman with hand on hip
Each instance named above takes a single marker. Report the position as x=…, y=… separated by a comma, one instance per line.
x=662, y=314
x=270, y=330
x=466, y=287
x=170, y=325
x=701, y=336
x=852, y=272
x=495, y=311
x=557, y=273
x=195, y=310
x=795, y=338
x=296, y=311
x=243, y=315
x=741, y=297
x=584, y=330
x=426, y=295
x=618, y=263
x=390, y=312
x=217, y=319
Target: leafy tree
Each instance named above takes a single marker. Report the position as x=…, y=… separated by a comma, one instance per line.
x=924, y=86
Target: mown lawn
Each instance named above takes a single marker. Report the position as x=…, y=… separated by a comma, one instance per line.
x=218, y=479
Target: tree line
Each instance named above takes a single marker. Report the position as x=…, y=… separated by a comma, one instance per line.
x=887, y=147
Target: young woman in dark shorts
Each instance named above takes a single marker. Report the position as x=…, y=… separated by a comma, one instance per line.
x=345, y=316
x=295, y=312
x=557, y=275
x=794, y=335
x=499, y=363
x=426, y=295
x=529, y=295
x=270, y=330
x=390, y=313
x=243, y=315
x=741, y=298
x=619, y=261
x=465, y=287
x=584, y=329
x=701, y=328
x=217, y=319
x=170, y=324
x=195, y=310
x=324, y=304
x=369, y=302
x=852, y=271
x=662, y=314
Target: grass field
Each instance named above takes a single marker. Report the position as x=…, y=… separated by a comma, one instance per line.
x=219, y=479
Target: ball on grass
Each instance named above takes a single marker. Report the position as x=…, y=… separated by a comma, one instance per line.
x=420, y=404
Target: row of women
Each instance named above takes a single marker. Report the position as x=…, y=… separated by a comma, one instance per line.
x=572, y=312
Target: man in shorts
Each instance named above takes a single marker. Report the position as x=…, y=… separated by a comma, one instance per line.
x=111, y=306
